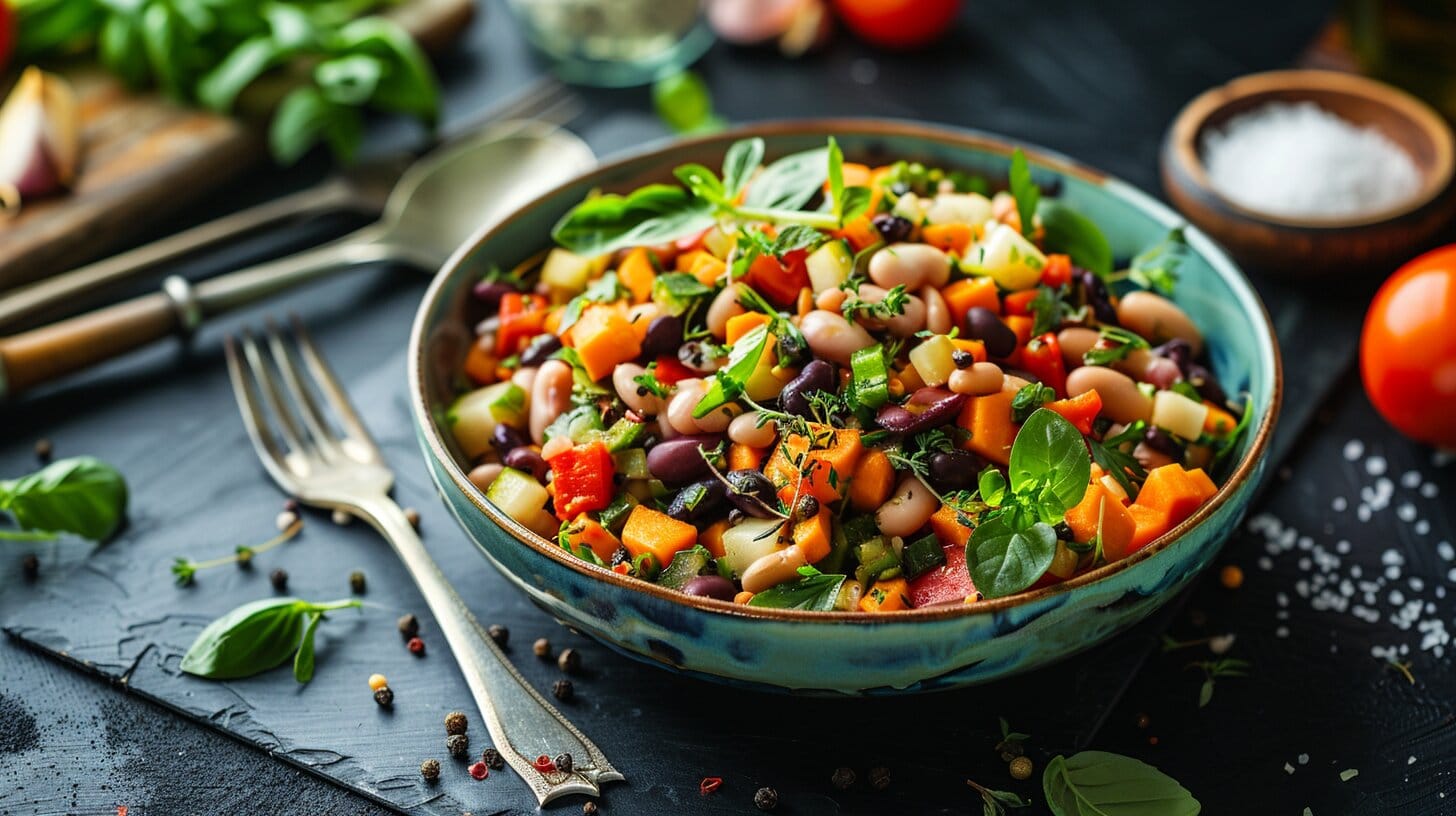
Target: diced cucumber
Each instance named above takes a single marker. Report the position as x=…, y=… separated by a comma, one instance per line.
x=473, y=416
x=877, y=560
x=623, y=434
x=829, y=266
x=576, y=424
x=922, y=555
x=518, y=495
x=686, y=565
x=1178, y=414
x=676, y=291
x=750, y=541
x=631, y=463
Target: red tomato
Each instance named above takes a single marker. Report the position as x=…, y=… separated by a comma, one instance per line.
x=898, y=23
x=7, y=32
x=1408, y=348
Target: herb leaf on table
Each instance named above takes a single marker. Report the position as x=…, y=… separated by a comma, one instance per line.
x=258, y=636
x=1097, y=783
x=81, y=495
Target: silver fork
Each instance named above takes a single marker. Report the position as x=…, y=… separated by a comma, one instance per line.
x=344, y=470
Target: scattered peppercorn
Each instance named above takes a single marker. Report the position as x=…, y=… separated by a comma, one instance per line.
x=963, y=359
x=1021, y=767
x=709, y=785
x=409, y=626
x=499, y=634
x=563, y=762
x=43, y=450
x=493, y=758
x=843, y=778
x=30, y=567
x=458, y=745
x=807, y=508
x=456, y=723
x=766, y=799
x=1231, y=577
x=563, y=690
x=879, y=777
x=569, y=661
x=416, y=647
x=543, y=764
x=285, y=519
x=413, y=517
x=588, y=808
x=290, y=505
x=542, y=647
x=430, y=769
x=279, y=579
x=479, y=771
x=356, y=582
x=377, y=682
x=384, y=696
x=1143, y=720
x=342, y=518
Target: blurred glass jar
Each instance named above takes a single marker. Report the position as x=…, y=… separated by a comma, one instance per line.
x=615, y=43
x=1410, y=43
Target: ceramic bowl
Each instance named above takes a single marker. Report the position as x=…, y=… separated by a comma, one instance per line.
x=1315, y=247
x=851, y=653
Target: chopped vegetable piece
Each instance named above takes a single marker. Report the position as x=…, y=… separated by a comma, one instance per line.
x=659, y=535
x=988, y=419
x=582, y=479
x=872, y=482
x=886, y=596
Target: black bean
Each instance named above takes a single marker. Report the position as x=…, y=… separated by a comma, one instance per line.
x=506, y=439
x=700, y=503
x=664, y=335
x=893, y=228
x=1179, y=351
x=710, y=586
x=950, y=472
x=752, y=493
x=985, y=326
x=1094, y=291
x=527, y=460
x=540, y=349
x=1207, y=384
x=491, y=292
x=941, y=407
x=677, y=461
x=1159, y=440
x=818, y=375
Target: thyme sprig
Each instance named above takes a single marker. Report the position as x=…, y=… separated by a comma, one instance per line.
x=1215, y=669
x=185, y=570
x=892, y=306
x=995, y=802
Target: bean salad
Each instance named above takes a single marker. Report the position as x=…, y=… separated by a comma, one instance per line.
x=814, y=384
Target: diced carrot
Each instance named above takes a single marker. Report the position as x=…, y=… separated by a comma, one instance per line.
x=1021, y=325
x=825, y=470
x=948, y=237
x=603, y=340
x=1170, y=490
x=712, y=537
x=1117, y=525
x=739, y=325
x=1058, y=270
x=636, y=273
x=1203, y=486
x=585, y=530
x=1148, y=524
x=480, y=363
x=988, y=419
x=1218, y=422
x=1079, y=410
x=860, y=232
x=707, y=269
x=886, y=596
x=553, y=320
x=976, y=348
x=811, y=536
x=946, y=524
x=873, y=481
x=685, y=260
x=744, y=457
x=1018, y=303
x=962, y=295
x=648, y=531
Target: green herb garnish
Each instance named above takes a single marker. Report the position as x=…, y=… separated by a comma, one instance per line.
x=1120, y=342
x=1024, y=190
x=1067, y=231
x=813, y=590
x=893, y=305
x=1215, y=669
x=683, y=103
x=257, y=636
x=1157, y=266
x=81, y=495
x=1097, y=783
x=995, y=802
x=1029, y=398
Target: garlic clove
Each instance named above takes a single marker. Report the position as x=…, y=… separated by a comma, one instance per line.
x=751, y=22
x=39, y=138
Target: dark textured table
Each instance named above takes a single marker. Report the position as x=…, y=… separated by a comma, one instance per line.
x=1347, y=559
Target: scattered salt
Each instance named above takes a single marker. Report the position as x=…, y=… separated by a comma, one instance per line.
x=1289, y=769
x=1376, y=465
x=1406, y=512
x=1422, y=527
x=1348, y=774
x=1354, y=449
x=1445, y=550
x=1302, y=759
x=1429, y=490
x=1339, y=504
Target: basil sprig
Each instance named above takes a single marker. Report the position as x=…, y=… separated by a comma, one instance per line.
x=258, y=636
x=1067, y=231
x=1097, y=783
x=730, y=380
x=812, y=590
x=1023, y=189
x=81, y=495
x=1014, y=544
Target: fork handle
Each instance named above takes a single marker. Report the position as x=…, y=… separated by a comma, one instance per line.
x=522, y=724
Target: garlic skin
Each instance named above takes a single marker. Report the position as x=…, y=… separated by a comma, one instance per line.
x=40, y=141
x=797, y=26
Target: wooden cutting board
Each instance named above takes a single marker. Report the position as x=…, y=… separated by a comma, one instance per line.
x=145, y=157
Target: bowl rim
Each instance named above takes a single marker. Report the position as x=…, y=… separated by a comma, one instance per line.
x=955, y=137
x=1190, y=121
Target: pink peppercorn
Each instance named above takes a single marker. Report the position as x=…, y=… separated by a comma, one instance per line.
x=416, y=646
x=479, y=770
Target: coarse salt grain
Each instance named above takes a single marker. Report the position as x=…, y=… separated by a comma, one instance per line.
x=1354, y=449
x=1376, y=465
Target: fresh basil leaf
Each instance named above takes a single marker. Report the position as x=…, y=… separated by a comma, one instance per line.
x=1024, y=190
x=796, y=236
x=304, y=118
x=251, y=639
x=743, y=157
x=219, y=88
x=790, y=182
x=1028, y=399
x=119, y=45
x=816, y=592
x=700, y=181
x=683, y=103
x=992, y=486
x=1004, y=559
x=836, y=179
x=855, y=201
x=1070, y=232
x=1097, y=783
x=407, y=84
x=654, y=214
x=729, y=381
x=159, y=43
x=80, y=495
x=349, y=80
x=303, y=660
x=1157, y=266
x=1049, y=457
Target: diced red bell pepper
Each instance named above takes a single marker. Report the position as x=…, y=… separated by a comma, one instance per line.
x=669, y=370
x=1057, y=272
x=522, y=317
x=1079, y=410
x=1042, y=357
x=946, y=584
x=1019, y=303
x=777, y=282
x=582, y=477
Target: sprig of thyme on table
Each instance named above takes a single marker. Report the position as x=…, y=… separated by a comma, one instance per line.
x=185, y=569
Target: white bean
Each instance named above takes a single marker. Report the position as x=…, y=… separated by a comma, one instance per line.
x=1075, y=342
x=830, y=299
x=832, y=337
x=482, y=475
x=680, y=408
x=937, y=313
x=773, y=569
x=978, y=380
x=525, y=378
x=550, y=396
x=909, y=265
x=1121, y=399
x=911, y=505
x=637, y=397
x=744, y=430
x=723, y=307
x=1158, y=319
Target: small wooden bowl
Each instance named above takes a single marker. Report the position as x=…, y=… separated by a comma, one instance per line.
x=1309, y=247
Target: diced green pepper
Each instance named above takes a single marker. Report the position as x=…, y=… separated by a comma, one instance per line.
x=576, y=424
x=871, y=376
x=615, y=515
x=921, y=556
x=877, y=560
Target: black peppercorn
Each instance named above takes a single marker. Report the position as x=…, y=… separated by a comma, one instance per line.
x=458, y=745
x=766, y=799
x=569, y=661
x=413, y=517
x=588, y=808
x=356, y=582
x=499, y=634
x=456, y=722
x=493, y=759
x=384, y=697
x=430, y=770
x=843, y=778
x=563, y=763
x=807, y=508
x=879, y=777
x=43, y=450
x=963, y=359
x=542, y=647
x=30, y=567
x=290, y=505
x=279, y=579
x=563, y=690
x=409, y=626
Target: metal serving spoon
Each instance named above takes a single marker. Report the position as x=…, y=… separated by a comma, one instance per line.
x=437, y=204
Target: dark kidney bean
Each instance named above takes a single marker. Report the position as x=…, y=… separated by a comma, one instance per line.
x=506, y=439
x=664, y=335
x=1162, y=372
x=752, y=493
x=1159, y=440
x=1094, y=291
x=950, y=472
x=1207, y=384
x=540, y=349
x=939, y=407
x=677, y=461
x=710, y=586
x=491, y=292
x=527, y=460
x=985, y=326
x=893, y=228
x=700, y=502
x=818, y=375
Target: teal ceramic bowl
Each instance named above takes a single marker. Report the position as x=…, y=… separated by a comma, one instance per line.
x=841, y=652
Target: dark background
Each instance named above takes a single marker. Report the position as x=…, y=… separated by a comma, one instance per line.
x=1099, y=82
